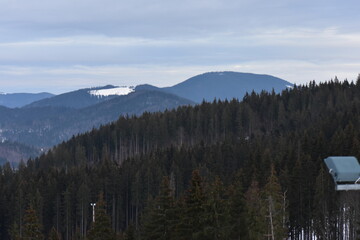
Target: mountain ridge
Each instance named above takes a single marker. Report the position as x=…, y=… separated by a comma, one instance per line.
x=233, y=85
x=16, y=100
x=47, y=122
x=74, y=99
x=44, y=127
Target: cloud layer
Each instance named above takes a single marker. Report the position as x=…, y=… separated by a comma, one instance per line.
x=62, y=45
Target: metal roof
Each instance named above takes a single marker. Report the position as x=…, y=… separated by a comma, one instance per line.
x=343, y=168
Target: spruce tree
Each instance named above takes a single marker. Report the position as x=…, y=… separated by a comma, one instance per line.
x=236, y=211
x=321, y=205
x=54, y=235
x=130, y=233
x=275, y=207
x=159, y=220
x=14, y=232
x=192, y=217
x=32, y=226
x=255, y=214
x=216, y=216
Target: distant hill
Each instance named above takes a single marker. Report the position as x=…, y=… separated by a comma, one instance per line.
x=49, y=121
x=79, y=98
x=45, y=127
x=14, y=152
x=226, y=85
x=14, y=100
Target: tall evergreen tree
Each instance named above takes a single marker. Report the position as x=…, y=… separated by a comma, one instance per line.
x=275, y=207
x=32, y=226
x=192, y=218
x=237, y=211
x=54, y=235
x=14, y=232
x=160, y=220
x=216, y=214
x=255, y=212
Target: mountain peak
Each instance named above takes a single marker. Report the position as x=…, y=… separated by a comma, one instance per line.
x=226, y=85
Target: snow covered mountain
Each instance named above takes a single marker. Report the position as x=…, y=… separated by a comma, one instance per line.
x=47, y=122
x=44, y=127
x=83, y=97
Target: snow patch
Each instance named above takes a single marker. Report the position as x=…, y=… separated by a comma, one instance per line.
x=289, y=86
x=112, y=91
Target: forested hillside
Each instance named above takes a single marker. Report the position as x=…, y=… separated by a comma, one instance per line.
x=44, y=127
x=222, y=170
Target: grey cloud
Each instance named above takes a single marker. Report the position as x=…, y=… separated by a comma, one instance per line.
x=140, y=39
x=169, y=18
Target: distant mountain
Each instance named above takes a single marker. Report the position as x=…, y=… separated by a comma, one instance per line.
x=226, y=85
x=45, y=127
x=147, y=87
x=13, y=100
x=49, y=121
x=82, y=98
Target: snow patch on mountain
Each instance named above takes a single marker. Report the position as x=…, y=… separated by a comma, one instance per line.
x=112, y=91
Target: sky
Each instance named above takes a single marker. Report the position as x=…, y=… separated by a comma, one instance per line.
x=63, y=45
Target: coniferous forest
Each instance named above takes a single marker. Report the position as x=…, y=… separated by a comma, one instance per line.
x=250, y=169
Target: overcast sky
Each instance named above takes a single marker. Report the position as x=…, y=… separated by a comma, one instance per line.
x=63, y=45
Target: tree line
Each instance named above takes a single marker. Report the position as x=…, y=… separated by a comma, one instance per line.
x=251, y=168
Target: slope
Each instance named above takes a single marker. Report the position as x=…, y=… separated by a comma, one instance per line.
x=226, y=85
x=14, y=100
x=76, y=99
x=44, y=127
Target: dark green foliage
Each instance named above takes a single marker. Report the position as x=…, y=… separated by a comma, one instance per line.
x=255, y=212
x=130, y=233
x=54, y=235
x=275, y=208
x=14, y=232
x=293, y=132
x=159, y=221
x=32, y=226
x=236, y=210
x=216, y=213
x=193, y=216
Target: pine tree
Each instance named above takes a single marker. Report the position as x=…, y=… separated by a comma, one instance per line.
x=54, y=235
x=14, y=232
x=275, y=207
x=321, y=200
x=101, y=228
x=130, y=233
x=236, y=211
x=191, y=225
x=160, y=219
x=255, y=215
x=32, y=226
x=216, y=216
